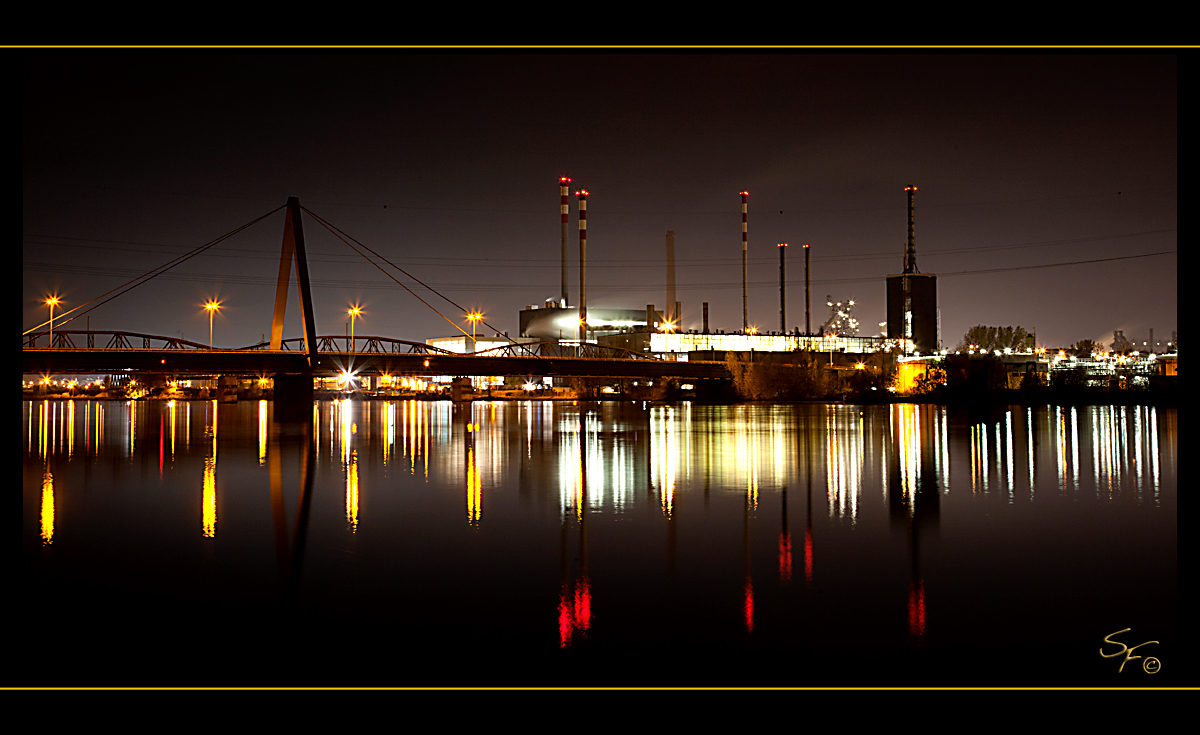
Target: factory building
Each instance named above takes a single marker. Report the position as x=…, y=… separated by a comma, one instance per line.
x=912, y=312
x=678, y=346
x=553, y=323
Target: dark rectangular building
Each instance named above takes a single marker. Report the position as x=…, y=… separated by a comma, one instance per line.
x=912, y=309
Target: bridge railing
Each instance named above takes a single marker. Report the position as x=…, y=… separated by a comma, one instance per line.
x=106, y=339
x=357, y=345
x=83, y=339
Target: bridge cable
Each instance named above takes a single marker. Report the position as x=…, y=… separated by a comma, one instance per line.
x=343, y=236
x=151, y=274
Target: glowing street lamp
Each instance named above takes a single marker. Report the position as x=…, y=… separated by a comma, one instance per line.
x=474, y=318
x=354, y=312
x=52, y=302
x=211, y=307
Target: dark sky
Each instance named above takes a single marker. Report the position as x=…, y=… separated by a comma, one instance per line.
x=447, y=163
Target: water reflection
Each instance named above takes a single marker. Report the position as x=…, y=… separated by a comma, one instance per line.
x=687, y=500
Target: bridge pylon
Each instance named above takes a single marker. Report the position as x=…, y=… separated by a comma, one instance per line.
x=293, y=249
x=294, y=392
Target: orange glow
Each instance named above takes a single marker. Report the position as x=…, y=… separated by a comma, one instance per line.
x=474, y=489
x=352, y=491
x=47, y=507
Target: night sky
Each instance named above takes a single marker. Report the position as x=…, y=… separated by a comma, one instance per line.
x=447, y=163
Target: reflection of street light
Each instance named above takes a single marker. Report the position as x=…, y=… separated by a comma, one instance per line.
x=474, y=318
x=52, y=302
x=211, y=307
x=354, y=313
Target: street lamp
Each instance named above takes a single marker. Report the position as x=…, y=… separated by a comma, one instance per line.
x=211, y=307
x=52, y=302
x=354, y=313
x=474, y=318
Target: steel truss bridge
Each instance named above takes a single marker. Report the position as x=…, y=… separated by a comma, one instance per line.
x=113, y=352
x=102, y=352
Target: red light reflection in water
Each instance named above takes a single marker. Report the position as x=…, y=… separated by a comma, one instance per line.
x=785, y=557
x=916, y=610
x=748, y=605
x=808, y=554
x=574, y=612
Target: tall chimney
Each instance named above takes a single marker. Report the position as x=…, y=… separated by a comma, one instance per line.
x=563, y=193
x=650, y=316
x=807, y=326
x=745, y=314
x=910, y=255
x=782, y=296
x=706, y=317
x=678, y=317
x=671, y=316
x=582, y=194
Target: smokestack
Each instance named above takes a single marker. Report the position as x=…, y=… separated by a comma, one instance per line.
x=678, y=317
x=582, y=194
x=807, y=327
x=910, y=255
x=782, y=297
x=650, y=317
x=706, y=317
x=563, y=193
x=745, y=315
x=671, y=317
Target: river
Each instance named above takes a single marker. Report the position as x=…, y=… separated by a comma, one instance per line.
x=547, y=544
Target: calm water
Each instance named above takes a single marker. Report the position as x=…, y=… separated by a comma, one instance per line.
x=553, y=544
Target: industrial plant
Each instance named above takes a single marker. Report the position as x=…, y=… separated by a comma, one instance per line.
x=911, y=326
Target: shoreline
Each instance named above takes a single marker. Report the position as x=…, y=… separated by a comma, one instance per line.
x=1166, y=399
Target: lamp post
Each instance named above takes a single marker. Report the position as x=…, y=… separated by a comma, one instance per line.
x=211, y=307
x=354, y=313
x=474, y=318
x=52, y=302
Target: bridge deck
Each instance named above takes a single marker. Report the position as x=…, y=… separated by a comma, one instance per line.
x=194, y=362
